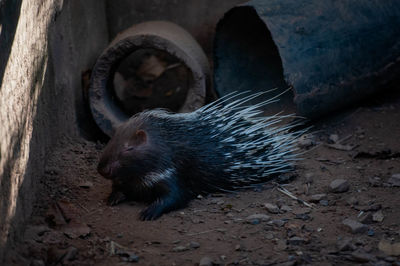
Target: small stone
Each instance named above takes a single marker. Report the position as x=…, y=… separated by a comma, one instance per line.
x=296, y=240
x=279, y=222
x=317, y=197
x=206, y=261
x=375, y=181
x=71, y=254
x=354, y=226
x=365, y=218
x=258, y=216
x=238, y=247
x=269, y=236
x=334, y=138
x=272, y=208
x=324, y=203
x=361, y=256
x=389, y=248
x=352, y=201
x=345, y=244
x=286, y=208
x=37, y=263
x=305, y=141
x=371, y=232
x=378, y=216
x=309, y=178
x=194, y=244
x=339, y=186
x=394, y=180
x=180, y=248
x=280, y=245
x=86, y=184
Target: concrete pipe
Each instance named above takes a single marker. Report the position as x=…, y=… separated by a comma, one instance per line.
x=331, y=53
x=152, y=46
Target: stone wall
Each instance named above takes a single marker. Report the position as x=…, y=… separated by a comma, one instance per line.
x=44, y=47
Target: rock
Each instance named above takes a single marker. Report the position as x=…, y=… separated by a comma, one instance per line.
x=272, y=208
x=258, y=216
x=378, y=216
x=206, y=261
x=334, y=138
x=286, y=208
x=37, y=263
x=365, y=218
x=75, y=229
x=71, y=254
x=339, y=186
x=352, y=201
x=362, y=256
x=394, y=180
x=194, y=244
x=317, y=197
x=371, y=232
x=279, y=222
x=280, y=245
x=86, y=184
x=389, y=248
x=180, y=249
x=296, y=240
x=345, y=244
x=354, y=226
x=324, y=203
x=305, y=141
x=269, y=236
x=375, y=181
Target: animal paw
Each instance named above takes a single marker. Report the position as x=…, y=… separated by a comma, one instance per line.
x=115, y=198
x=152, y=212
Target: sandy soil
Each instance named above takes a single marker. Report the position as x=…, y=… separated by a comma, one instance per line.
x=72, y=225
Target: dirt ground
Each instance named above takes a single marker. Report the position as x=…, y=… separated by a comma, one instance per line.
x=72, y=225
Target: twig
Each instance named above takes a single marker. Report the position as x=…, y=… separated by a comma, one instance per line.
x=208, y=231
x=290, y=195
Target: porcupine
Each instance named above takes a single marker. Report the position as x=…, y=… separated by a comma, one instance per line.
x=167, y=159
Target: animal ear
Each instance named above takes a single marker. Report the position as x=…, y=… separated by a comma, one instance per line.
x=141, y=136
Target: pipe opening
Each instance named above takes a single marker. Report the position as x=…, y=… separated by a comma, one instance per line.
x=246, y=58
x=150, y=78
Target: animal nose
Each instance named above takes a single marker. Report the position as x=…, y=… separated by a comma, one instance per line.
x=104, y=169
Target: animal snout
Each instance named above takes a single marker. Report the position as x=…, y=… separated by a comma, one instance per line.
x=107, y=169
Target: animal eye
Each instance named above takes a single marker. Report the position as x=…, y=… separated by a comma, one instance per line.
x=131, y=148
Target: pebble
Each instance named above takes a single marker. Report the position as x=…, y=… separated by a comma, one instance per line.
x=180, y=248
x=206, y=261
x=361, y=256
x=194, y=244
x=334, y=138
x=317, y=197
x=71, y=254
x=378, y=216
x=371, y=232
x=354, y=226
x=388, y=248
x=286, y=208
x=37, y=263
x=394, y=180
x=272, y=208
x=258, y=216
x=296, y=240
x=339, y=186
x=324, y=203
x=345, y=244
x=279, y=223
x=365, y=218
x=352, y=201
